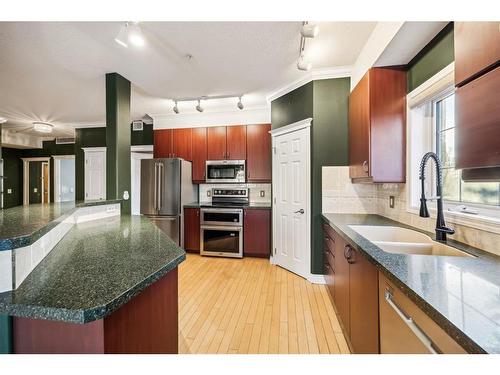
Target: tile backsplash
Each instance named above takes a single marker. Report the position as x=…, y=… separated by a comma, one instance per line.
x=256, y=191
x=340, y=195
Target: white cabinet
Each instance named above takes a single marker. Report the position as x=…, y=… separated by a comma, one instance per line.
x=95, y=173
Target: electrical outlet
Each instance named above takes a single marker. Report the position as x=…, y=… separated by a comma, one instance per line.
x=262, y=193
x=35, y=190
x=391, y=201
x=209, y=193
x=9, y=191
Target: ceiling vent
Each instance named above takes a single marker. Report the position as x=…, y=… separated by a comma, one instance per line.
x=65, y=140
x=137, y=125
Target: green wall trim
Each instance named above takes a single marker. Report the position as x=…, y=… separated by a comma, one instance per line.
x=326, y=101
x=118, y=138
x=5, y=334
x=438, y=54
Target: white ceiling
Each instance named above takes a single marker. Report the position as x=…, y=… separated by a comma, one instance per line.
x=54, y=71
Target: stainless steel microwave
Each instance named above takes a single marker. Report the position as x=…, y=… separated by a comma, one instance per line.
x=225, y=171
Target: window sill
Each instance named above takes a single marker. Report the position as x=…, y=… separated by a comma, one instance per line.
x=481, y=222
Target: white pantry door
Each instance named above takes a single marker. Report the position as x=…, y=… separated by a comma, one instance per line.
x=291, y=190
x=95, y=174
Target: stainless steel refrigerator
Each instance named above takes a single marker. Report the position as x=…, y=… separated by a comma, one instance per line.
x=166, y=186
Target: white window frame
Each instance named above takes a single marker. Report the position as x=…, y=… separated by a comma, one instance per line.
x=436, y=88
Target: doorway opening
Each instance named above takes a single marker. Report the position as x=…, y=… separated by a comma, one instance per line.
x=64, y=178
x=36, y=180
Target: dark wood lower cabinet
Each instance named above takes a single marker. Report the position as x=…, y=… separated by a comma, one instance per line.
x=192, y=229
x=354, y=292
x=148, y=323
x=257, y=233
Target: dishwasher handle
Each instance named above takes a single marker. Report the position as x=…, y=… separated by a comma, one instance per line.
x=424, y=339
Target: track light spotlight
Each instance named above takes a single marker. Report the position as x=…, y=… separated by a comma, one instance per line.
x=309, y=31
x=121, y=38
x=199, y=108
x=135, y=35
x=176, y=109
x=240, y=104
x=303, y=65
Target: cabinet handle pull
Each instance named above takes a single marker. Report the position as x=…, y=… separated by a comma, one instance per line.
x=424, y=339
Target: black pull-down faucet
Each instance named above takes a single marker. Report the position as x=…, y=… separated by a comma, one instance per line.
x=441, y=228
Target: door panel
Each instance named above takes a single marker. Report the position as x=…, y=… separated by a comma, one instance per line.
x=259, y=153
x=359, y=129
x=169, y=175
x=292, y=201
x=35, y=182
x=257, y=229
x=341, y=286
x=169, y=225
x=216, y=143
x=182, y=139
x=95, y=175
x=199, y=157
x=236, y=142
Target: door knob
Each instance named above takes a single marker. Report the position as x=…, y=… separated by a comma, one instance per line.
x=301, y=211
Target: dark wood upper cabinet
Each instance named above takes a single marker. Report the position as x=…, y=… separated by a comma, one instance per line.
x=377, y=127
x=199, y=141
x=236, y=142
x=182, y=144
x=363, y=302
x=163, y=143
x=216, y=143
x=477, y=116
x=192, y=229
x=477, y=49
x=258, y=153
x=257, y=232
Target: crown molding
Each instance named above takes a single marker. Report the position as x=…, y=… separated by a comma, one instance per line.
x=313, y=75
x=257, y=115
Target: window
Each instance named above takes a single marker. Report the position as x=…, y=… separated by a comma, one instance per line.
x=454, y=189
x=431, y=127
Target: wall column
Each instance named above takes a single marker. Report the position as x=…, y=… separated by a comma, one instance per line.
x=118, y=138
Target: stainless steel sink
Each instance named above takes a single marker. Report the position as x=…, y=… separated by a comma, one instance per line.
x=398, y=240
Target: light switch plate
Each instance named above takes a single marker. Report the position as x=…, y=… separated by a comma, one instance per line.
x=35, y=190
x=9, y=191
x=391, y=201
x=262, y=193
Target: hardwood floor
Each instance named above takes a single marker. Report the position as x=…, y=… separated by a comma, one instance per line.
x=250, y=306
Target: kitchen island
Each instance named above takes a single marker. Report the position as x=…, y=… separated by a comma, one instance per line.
x=108, y=286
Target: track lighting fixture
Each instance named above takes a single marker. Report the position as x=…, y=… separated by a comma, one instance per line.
x=307, y=31
x=240, y=104
x=130, y=33
x=3, y=120
x=199, y=108
x=303, y=64
x=176, y=109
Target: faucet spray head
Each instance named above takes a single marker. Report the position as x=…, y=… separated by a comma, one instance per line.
x=424, y=212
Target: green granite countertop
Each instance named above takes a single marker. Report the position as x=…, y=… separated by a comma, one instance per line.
x=461, y=294
x=22, y=225
x=96, y=268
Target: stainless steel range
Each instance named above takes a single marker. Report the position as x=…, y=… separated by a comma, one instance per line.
x=221, y=223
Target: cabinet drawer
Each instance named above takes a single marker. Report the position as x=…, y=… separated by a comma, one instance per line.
x=329, y=232
x=329, y=257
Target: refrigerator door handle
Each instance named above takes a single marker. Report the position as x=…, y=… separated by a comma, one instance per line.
x=155, y=195
x=160, y=184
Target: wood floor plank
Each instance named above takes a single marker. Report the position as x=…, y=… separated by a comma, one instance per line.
x=248, y=305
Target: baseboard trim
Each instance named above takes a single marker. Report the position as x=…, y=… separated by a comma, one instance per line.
x=316, y=279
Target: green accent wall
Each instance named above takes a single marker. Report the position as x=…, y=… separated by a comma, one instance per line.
x=13, y=172
x=326, y=101
x=142, y=138
x=438, y=54
x=118, y=138
x=88, y=137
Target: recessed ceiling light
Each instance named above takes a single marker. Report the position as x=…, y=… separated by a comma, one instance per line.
x=42, y=127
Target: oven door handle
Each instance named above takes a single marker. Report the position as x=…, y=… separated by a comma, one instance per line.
x=222, y=227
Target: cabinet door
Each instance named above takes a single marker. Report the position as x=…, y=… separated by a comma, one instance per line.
x=477, y=47
x=163, y=145
x=236, y=142
x=477, y=116
x=216, y=143
x=359, y=129
x=182, y=144
x=192, y=229
x=259, y=153
x=341, y=287
x=363, y=301
x=199, y=157
x=257, y=233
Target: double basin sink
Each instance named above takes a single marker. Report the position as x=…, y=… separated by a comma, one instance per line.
x=399, y=240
